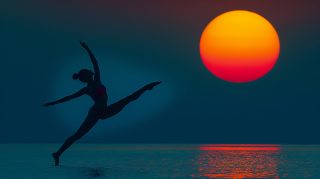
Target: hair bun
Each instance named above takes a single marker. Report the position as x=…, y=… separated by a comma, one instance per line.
x=75, y=76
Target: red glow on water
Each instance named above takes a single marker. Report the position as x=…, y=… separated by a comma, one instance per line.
x=238, y=161
x=244, y=147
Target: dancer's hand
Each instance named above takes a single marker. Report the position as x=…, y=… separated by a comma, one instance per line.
x=150, y=86
x=83, y=44
x=48, y=104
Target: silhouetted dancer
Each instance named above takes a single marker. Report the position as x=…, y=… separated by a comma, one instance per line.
x=100, y=110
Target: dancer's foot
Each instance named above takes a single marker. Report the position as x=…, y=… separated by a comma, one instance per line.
x=150, y=86
x=56, y=159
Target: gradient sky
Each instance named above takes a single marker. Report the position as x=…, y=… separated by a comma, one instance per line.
x=147, y=40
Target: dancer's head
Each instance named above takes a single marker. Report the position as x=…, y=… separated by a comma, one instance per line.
x=84, y=75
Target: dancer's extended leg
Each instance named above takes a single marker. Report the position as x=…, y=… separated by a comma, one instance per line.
x=89, y=122
x=116, y=107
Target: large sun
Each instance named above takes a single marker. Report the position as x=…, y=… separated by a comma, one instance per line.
x=239, y=46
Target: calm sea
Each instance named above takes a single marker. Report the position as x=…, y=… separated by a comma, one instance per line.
x=148, y=161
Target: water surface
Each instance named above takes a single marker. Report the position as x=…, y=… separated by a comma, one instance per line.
x=161, y=161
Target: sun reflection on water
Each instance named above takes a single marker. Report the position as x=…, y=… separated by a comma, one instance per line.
x=238, y=161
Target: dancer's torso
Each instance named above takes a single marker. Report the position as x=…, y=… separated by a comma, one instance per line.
x=97, y=91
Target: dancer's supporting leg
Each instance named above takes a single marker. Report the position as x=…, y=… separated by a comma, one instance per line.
x=89, y=122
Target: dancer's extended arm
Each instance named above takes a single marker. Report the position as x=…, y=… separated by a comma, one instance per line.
x=67, y=98
x=94, y=62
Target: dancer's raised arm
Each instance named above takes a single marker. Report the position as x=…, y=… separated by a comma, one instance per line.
x=67, y=98
x=93, y=60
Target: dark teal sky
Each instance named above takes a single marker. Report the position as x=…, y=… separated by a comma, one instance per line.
x=141, y=41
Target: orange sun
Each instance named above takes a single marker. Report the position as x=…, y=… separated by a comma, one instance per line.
x=239, y=46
